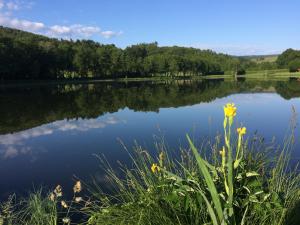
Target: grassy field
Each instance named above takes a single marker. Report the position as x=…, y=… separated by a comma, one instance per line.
x=275, y=73
x=270, y=58
x=279, y=73
x=258, y=74
x=262, y=58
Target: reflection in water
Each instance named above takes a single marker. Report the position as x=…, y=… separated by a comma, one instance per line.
x=48, y=133
x=26, y=107
x=12, y=145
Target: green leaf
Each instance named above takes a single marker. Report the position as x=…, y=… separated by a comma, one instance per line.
x=209, y=182
x=209, y=209
x=252, y=174
x=244, y=216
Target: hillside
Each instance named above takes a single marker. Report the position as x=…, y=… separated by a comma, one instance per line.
x=263, y=58
x=25, y=55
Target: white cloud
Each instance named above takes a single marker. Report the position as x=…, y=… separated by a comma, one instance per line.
x=75, y=31
x=10, y=152
x=12, y=145
x=60, y=30
x=6, y=18
x=109, y=33
x=18, y=138
x=1, y=4
x=78, y=30
x=26, y=25
x=63, y=125
x=85, y=30
x=12, y=6
x=85, y=125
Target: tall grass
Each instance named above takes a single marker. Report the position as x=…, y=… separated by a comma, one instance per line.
x=230, y=184
x=39, y=210
x=36, y=210
x=45, y=209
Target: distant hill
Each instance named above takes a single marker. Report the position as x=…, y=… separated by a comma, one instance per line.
x=25, y=55
x=6, y=32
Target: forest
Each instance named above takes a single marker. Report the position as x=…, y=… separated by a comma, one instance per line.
x=291, y=59
x=28, y=56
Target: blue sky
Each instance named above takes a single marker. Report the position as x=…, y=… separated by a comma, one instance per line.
x=230, y=26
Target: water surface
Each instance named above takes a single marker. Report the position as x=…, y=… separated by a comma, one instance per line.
x=51, y=133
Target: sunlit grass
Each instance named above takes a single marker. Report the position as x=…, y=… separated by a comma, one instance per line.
x=234, y=183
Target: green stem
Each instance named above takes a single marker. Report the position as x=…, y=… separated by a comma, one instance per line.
x=238, y=148
x=230, y=171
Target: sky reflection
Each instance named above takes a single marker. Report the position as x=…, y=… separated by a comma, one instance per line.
x=15, y=144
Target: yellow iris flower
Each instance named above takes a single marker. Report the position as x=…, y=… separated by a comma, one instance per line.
x=155, y=168
x=241, y=130
x=230, y=110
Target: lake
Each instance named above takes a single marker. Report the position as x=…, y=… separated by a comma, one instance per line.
x=50, y=134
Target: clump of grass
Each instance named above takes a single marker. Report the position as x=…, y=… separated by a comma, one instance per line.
x=7, y=215
x=38, y=210
x=232, y=186
x=44, y=209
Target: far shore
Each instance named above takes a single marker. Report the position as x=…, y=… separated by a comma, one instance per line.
x=251, y=75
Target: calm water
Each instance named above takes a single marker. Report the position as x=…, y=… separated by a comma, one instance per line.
x=51, y=133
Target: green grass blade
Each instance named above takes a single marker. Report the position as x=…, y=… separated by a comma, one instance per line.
x=210, y=209
x=208, y=179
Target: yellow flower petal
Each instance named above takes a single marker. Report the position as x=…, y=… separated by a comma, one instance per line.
x=155, y=168
x=241, y=130
x=230, y=110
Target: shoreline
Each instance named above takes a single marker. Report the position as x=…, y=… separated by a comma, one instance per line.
x=257, y=75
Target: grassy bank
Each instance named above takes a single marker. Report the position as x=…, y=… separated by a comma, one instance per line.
x=257, y=74
x=231, y=181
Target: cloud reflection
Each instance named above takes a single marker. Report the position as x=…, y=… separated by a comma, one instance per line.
x=13, y=145
x=84, y=125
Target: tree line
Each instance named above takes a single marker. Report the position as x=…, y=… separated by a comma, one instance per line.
x=289, y=59
x=25, y=55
